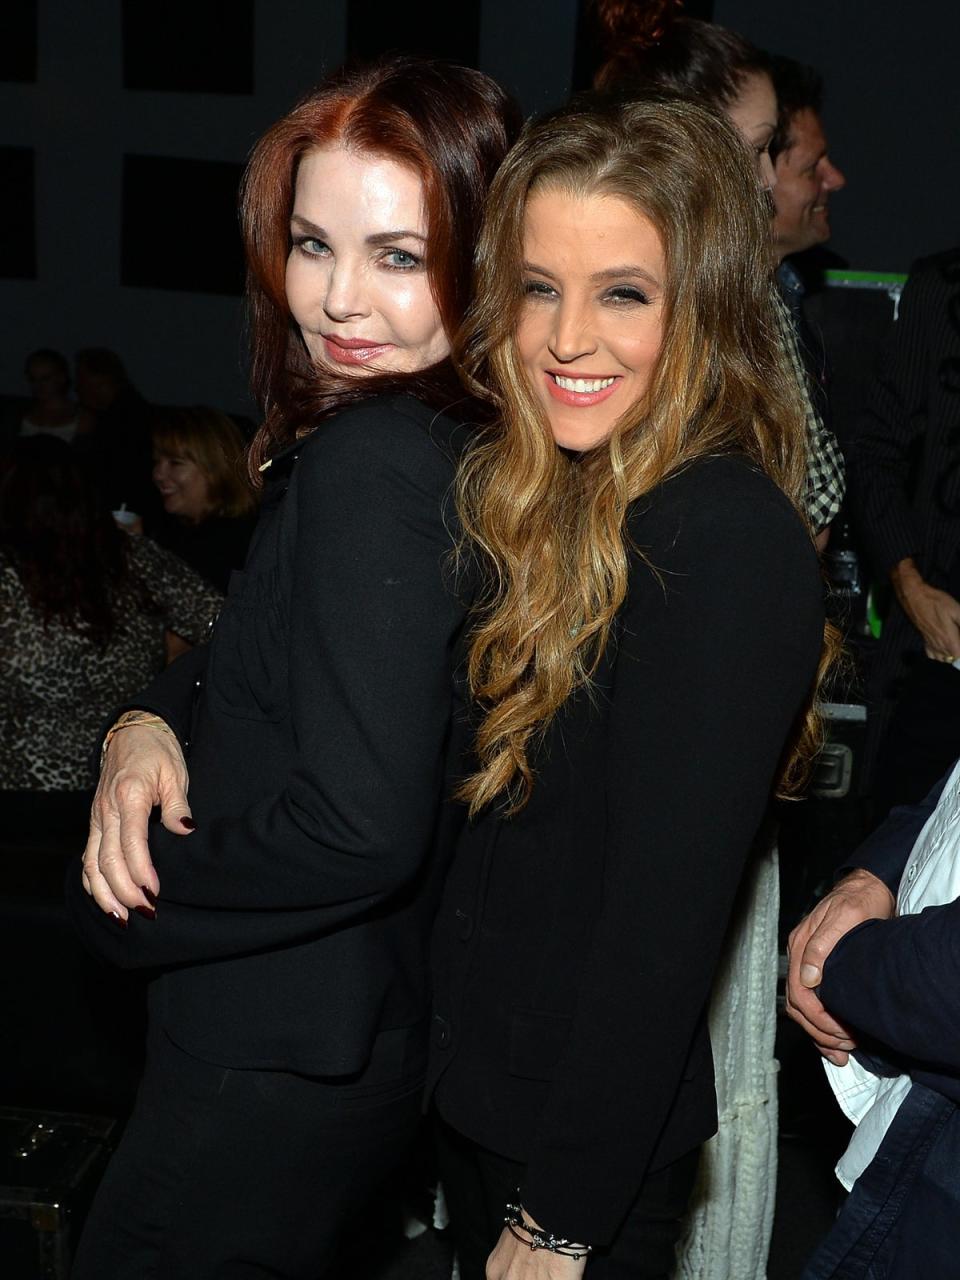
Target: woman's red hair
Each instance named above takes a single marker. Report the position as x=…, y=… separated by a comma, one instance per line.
x=453, y=126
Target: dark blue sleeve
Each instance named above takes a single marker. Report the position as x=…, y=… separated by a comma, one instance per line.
x=898, y=981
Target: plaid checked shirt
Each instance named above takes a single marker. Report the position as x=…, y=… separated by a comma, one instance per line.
x=826, y=475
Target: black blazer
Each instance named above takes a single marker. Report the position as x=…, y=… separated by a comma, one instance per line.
x=292, y=924
x=904, y=466
x=905, y=459
x=576, y=943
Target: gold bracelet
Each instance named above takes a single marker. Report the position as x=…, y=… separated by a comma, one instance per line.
x=127, y=721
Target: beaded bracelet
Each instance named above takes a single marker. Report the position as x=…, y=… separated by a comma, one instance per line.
x=516, y=1222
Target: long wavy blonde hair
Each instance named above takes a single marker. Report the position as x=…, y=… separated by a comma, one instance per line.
x=552, y=526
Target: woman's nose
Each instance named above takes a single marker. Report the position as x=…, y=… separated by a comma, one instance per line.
x=571, y=337
x=346, y=296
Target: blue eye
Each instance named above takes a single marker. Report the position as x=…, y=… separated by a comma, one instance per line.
x=311, y=246
x=401, y=260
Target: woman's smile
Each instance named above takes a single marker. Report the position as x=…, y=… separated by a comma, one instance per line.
x=580, y=390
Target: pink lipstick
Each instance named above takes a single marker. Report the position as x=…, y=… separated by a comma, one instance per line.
x=354, y=350
x=580, y=399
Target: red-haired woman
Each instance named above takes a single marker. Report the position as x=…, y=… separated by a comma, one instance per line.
x=288, y=1016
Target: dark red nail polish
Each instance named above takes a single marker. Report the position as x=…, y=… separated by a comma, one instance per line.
x=188, y=823
x=150, y=896
x=148, y=913
x=119, y=919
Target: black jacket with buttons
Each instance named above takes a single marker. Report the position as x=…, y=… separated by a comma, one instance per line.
x=292, y=924
x=576, y=943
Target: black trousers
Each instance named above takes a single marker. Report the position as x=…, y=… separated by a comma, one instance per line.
x=478, y=1183
x=923, y=736
x=226, y=1174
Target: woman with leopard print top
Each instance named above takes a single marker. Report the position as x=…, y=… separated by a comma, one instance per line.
x=83, y=613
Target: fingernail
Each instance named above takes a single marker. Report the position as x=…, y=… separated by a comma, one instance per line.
x=809, y=975
x=188, y=823
x=119, y=919
x=150, y=896
x=847, y=1045
x=148, y=913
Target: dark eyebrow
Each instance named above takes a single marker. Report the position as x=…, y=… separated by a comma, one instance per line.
x=618, y=273
x=539, y=271
x=381, y=237
x=307, y=225
x=387, y=237
x=611, y=273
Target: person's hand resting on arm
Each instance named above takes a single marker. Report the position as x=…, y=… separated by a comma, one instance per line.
x=143, y=766
x=859, y=896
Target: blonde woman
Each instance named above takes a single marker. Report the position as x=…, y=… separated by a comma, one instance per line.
x=209, y=505
x=641, y=670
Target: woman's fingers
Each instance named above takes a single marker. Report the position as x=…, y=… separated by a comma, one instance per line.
x=93, y=881
x=133, y=871
x=124, y=857
x=174, y=807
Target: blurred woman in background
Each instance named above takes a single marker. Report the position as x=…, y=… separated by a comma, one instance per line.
x=83, y=613
x=199, y=469
x=51, y=410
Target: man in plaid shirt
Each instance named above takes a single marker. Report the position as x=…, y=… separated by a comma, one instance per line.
x=826, y=477
x=806, y=177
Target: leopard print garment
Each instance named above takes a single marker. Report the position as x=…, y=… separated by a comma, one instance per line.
x=56, y=687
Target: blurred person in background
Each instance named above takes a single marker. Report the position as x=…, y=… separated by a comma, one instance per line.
x=120, y=441
x=83, y=612
x=806, y=176
x=905, y=495
x=209, y=506
x=653, y=48
x=51, y=409
x=805, y=179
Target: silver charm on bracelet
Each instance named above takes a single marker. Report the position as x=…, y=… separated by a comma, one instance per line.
x=516, y=1222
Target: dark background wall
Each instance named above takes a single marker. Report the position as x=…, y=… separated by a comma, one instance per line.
x=124, y=125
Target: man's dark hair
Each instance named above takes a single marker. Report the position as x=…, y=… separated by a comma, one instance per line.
x=102, y=363
x=798, y=88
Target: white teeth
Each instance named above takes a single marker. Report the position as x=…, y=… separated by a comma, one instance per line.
x=583, y=384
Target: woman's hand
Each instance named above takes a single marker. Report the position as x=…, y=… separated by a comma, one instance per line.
x=512, y=1260
x=143, y=767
